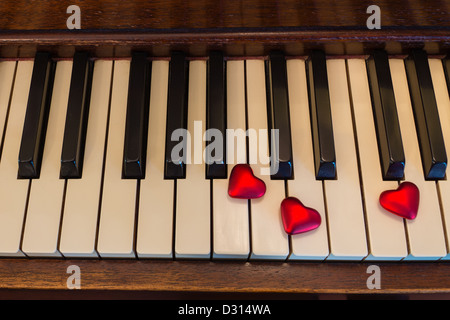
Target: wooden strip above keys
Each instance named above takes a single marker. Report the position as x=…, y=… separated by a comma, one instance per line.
x=240, y=14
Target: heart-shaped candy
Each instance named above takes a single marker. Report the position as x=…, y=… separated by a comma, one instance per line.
x=403, y=202
x=297, y=218
x=244, y=185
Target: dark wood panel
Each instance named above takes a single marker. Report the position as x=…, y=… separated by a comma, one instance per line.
x=233, y=43
x=182, y=14
x=239, y=28
x=231, y=277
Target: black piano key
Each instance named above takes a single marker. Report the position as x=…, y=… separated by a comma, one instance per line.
x=431, y=140
x=216, y=115
x=390, y=144
x=77, y=115
x=321, y=122
x=278, y=115
x=136, y=128
x=36, y=117
x=175, y=168
x=447, y=72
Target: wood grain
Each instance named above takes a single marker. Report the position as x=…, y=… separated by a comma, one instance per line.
x=197, y=14
x=233, y=43
x=228, y=277
x=252, y=27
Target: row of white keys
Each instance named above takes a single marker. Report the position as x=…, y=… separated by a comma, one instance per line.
x=231, y=238
x=41, y=231
x=13, y=191
x=386, y=232
x=312, y=245
x=79, y=225
x=193, y=216
x=425, y=234
x=343, y=196
x=118, y=205
x=268, y=238
x=155, y=221
x=443, y=104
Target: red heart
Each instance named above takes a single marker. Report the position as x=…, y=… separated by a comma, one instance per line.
x=297, y=218
x=244, y=185
x=403, y=202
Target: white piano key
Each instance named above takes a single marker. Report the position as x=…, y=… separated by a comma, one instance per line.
x=118, y=207
x=193, y=228
x=312, y=245
x=231, y=216
x=155, y=227
x=425, y=233
x=386, y=232
x=343, y=196
x=7, y=70
x=443, y=104
x=269, y=240
x=79, y=224
x=14, y=192
x=46, y=193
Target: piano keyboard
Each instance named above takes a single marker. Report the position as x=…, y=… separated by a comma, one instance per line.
x=86, y=168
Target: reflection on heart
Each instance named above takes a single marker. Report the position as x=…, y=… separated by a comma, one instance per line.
x=297, y=218
x=244, y=185
x=403, y=202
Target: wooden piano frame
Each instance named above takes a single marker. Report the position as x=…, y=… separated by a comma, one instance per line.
x=253, y=278
x=112, y=29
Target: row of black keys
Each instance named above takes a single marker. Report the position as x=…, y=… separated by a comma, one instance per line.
x=434, y=156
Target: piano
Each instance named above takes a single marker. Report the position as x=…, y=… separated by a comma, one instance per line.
x=91, y=95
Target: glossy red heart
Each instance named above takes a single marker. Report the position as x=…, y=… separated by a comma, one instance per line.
x=403, y=202
x=244, y=185
x=297, y=218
